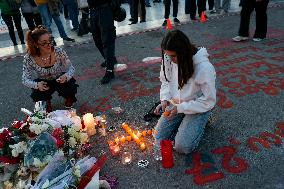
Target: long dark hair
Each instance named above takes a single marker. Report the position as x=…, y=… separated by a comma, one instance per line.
x=32, y=39
x=177, y=41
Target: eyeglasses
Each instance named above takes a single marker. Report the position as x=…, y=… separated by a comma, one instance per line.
x=49, y=42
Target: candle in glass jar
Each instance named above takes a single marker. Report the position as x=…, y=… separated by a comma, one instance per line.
x=114, y=148
x=126, y=158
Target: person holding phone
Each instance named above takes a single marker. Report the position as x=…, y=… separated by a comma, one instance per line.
x=51, y=65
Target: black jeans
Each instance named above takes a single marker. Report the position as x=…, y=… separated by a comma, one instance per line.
x=168, y=8
x=104, y=33
x=211, y=4
x=190, y=7
x=260, y=17
x=32, y=19
x=135, y=9
x=66, y=90
x=8, y=19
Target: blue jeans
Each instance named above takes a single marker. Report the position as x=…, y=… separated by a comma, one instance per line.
x=104, y=34
x=185, y=130
x=73, y=12
x=46, y=19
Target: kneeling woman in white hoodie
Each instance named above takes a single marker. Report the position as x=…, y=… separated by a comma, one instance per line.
x=187, y=92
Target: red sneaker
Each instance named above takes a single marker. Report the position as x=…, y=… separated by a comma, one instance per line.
x=68, y=103
x=48, y=106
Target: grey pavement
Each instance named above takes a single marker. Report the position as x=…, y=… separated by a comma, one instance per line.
x=242, y=149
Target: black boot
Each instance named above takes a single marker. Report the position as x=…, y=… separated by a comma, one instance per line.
x=109, y=75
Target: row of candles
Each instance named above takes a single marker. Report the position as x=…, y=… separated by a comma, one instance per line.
x=136, y=137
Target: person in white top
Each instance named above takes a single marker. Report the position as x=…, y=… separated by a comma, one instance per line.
x=187, y=92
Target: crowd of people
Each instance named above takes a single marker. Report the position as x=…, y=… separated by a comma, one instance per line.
x=188, y=91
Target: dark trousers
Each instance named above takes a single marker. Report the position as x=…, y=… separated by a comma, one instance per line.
x=131, y=7
x=190, y=7
x=211, y=4
x=73, y=12
x=104, y=33
x=168, y=8
x=66, y=90
x=135, y=9
x=8, y=19
x=260, y=17
x=32, y=19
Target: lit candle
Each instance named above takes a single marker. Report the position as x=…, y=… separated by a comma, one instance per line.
x=89, y=123
x=122, y=139
x=142, y=146
x=132, y=134
x=128, y=138
x=126, y=158
x=114, y=148
x=116, y=140
x=139, y=134
x=149, y=132
x=144, y=133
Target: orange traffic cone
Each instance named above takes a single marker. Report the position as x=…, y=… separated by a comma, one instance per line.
x=169, y=25
x=202, y=17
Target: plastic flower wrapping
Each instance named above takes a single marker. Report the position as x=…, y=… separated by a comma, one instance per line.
x=43, y=142
x=62, y=172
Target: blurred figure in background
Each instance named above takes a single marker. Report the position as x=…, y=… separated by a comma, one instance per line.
x=31, y=14
x=136, y=4
x=260, y=7
x=221, y=9
x=10, y=13
x=49, y=9
x=73, y=13
x=190, y=7
x=167, y=4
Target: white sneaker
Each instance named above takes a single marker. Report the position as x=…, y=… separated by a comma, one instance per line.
x=257, y=39
x=240, y=38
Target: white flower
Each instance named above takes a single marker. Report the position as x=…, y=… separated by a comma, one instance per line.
x=37, y=163
x=46, y=184
x=84, y=138
x=8, y=185
x=77, y=121
x=76, y=127
x=71, y=132
x=18, y=148
x=37, y=129
x=72, y=142
x=77, y=172
x=23, y=171
x=21, y=184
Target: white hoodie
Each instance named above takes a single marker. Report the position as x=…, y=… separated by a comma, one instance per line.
x=199, y=93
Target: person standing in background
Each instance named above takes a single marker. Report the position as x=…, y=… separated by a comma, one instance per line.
x=104, y=34
x=49, y=9
x=190, y=7
x=167, y=4
x=260, y=7
x=10, y=12
x=31, y=14
x=221, y=9
x=136, y=4
x=73, y=12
